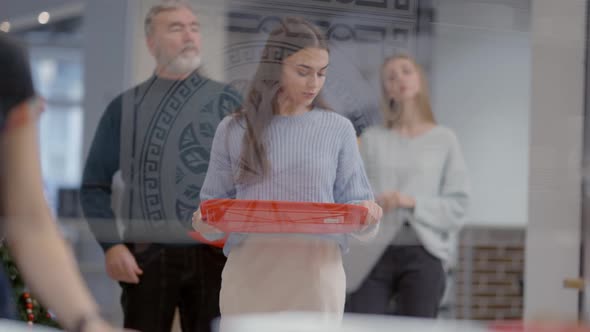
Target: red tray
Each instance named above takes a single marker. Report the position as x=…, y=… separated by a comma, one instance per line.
x=548, y=326
x=259, y=216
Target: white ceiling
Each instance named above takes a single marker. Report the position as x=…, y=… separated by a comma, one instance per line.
x=21, y=11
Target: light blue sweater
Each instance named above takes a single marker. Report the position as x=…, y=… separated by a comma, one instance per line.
x=314, y=157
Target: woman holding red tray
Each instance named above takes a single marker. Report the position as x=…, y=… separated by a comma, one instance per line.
x=285, y=145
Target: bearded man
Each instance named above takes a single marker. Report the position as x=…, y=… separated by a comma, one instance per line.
x=158, y=137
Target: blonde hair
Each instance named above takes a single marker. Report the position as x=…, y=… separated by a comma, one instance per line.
x=392, y=111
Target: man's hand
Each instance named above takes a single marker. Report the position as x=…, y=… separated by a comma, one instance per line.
x=121, y=265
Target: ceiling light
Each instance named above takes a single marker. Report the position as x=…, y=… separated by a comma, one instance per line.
x=43, y=18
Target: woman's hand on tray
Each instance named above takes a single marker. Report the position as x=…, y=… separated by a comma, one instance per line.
x=201, y=226
x=375, y=212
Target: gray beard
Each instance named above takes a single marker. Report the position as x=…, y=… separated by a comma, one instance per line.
x=183, y=65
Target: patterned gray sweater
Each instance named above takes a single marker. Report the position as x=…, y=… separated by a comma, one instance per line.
x=159, y=135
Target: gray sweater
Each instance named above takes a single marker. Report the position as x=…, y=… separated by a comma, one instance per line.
x=430, y=168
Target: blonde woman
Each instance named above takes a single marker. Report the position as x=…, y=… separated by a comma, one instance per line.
x=417, y=171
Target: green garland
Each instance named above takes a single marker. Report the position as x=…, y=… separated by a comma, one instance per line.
x=29, y=309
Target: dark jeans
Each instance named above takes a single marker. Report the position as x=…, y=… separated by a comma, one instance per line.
x=185, y=277
x=410, y=275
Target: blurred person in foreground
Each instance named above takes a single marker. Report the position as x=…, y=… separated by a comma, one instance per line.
x=47, y=264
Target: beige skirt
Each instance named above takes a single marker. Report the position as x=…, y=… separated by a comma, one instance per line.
x=268, y=274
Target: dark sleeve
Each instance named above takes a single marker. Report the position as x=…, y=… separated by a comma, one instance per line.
x=101, y=165
x=16, y=84
x=231, y=101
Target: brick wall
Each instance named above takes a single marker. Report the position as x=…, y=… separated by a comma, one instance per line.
x=488, y=276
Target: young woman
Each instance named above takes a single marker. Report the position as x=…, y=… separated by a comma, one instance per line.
x=284, y=144
x=417, y=170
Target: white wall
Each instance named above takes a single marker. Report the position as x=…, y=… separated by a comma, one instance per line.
x=107, y=57
x=557, y=103
x=480, y=84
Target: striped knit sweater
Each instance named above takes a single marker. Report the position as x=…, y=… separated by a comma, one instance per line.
x=314, y=157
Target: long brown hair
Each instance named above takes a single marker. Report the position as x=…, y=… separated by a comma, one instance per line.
x=260, y=105
x=391, y=110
